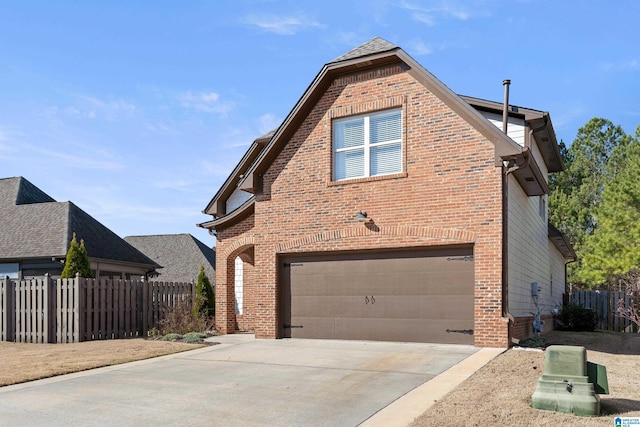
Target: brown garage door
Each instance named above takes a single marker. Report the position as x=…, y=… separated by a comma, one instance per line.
x=416, y=296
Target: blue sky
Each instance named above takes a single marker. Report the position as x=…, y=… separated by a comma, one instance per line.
x=137, y=111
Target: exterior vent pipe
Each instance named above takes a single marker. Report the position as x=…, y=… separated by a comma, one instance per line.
x=505, y=110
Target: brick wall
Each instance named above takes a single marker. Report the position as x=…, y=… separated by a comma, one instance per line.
x=449, y=193
x=523, y=326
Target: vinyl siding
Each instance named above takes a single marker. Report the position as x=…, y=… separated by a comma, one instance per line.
x=529, y=255
x=515, y=130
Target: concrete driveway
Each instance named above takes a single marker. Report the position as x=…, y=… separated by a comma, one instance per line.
x=248, y=382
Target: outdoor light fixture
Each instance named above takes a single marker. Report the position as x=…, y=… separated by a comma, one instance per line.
x=362, y=217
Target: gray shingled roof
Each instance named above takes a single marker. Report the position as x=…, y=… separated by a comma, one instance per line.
x=19, y=191
x=34, y=225
x=180, y=256
x=373, y=46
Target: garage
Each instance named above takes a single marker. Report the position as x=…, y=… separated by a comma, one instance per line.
x=409, y=296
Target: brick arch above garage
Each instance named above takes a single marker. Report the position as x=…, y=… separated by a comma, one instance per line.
x=371, y=232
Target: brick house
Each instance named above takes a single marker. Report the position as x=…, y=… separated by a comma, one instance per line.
x=386, y=207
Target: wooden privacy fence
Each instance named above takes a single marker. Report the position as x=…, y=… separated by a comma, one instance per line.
x=605, y=305
x=72, y=310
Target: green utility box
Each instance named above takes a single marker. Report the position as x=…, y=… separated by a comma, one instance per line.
x=564, y=385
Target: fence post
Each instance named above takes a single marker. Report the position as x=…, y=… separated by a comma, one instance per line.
x=142, y=307
x=76, y=308
x=8, y=310
x=48, y=315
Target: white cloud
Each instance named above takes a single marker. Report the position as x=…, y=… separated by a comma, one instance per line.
x=205, y=102
x=568, y=115
x=627, y=65
x=420, y=47
x=431, y=12
x=96, y=160
x=281, y=25
x=89, y=107
x=92, y=107
x=176, y=184
x=424, y=18
x=161, y=128
x=217, y=169
x=267, y=123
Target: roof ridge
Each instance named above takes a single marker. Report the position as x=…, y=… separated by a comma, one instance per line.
x=371, y=47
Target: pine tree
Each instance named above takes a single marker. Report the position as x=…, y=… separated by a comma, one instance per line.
x=591, y=162
x=205, y=297
x=77, y=261
x=614, y=248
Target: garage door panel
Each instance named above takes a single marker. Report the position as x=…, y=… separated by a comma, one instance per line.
x=397, y=330
x=384, y=330
x=389, y=283
x=392, y=296
x=381, y=306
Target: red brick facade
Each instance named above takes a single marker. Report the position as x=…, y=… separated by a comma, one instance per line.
x=448, y=194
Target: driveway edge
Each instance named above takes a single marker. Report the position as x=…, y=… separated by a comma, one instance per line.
x=406, y=409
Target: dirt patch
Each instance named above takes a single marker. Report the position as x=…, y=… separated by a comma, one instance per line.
x=26, y=362
x=500, y=393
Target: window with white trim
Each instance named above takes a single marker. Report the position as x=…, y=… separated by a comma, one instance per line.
x=239, y=285
x=367, y=145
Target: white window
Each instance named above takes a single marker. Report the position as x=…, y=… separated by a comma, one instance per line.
x=367, y=145
x=239, y=285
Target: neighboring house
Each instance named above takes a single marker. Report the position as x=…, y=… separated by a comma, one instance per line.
x=180, y=256
x=36, y=231
x=386, y=207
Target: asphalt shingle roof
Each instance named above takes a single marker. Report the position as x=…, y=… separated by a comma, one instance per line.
x=180, y=256
x=34, y=225
x=373, y=46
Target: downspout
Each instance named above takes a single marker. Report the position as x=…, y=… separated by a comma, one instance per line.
x=507, y=168
x=567, y=289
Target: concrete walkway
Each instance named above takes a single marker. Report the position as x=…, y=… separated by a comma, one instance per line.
x=246, y=382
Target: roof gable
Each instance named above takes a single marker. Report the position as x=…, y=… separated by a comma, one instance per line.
x=371, y=54
x=101, y=242
x=373, y=46
x=538, y=121
x=180, y=255
x=19, y=191
x=40, y=227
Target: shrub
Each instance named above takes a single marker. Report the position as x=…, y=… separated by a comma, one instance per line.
x=181, y=319
x=576, y=318
x=172, y=337
x=193, y=337
x=76, y=261
x=534, y=342
x=205, y=298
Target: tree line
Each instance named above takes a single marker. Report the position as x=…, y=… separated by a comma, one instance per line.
x=595, y=201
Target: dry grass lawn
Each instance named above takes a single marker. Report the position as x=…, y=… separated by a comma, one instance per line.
x=22, y=362
x=499, y=394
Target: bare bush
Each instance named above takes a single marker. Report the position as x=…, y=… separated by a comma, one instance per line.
x=630, y=283
x=181, y=319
